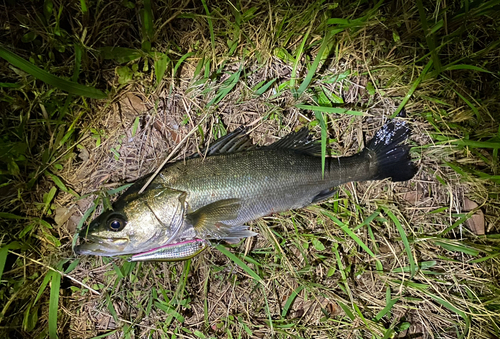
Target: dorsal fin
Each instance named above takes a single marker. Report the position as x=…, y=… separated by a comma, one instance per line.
x=239, y=140
x=300, y=141
x=235, y=141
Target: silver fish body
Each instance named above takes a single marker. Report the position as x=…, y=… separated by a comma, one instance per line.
x=214, y=197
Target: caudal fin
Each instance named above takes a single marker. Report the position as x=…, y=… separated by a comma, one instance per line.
x=392, y=158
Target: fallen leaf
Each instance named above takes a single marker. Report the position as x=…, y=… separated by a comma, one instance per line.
x=469, y=205
x=412, y=197
x=384, y=249
x=134, y=102
x=333, y=309
x=73, y=223
x=131, y=105
x=83, y=154
x=62, y=214
x=476, y=222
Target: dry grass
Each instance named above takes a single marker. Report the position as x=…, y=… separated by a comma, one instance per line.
x=302, y=256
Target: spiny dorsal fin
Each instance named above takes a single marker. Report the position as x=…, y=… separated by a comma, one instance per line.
x=236, y=141
x=301, y=141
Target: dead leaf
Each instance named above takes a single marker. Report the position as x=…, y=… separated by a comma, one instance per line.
x=333, y=309
x=62, y=214
x=384, y=249
x=469, y=205
x=412, y=197
x=476, y=222
x=131, y=105
x=72, y=223
x=83, y=153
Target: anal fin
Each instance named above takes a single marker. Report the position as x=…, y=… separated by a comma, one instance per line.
x=324, y=194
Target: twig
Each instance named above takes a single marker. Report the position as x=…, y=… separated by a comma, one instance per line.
x=53, y=269
x=171, y=154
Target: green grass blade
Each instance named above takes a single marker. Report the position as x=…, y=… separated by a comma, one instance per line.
x=344, y=227
x=325, y=109
x=9, y=85
x=268, y=310
x=55, y=285
x=118, y=189
x=342, y=270
x=86, y=215
x=179, y=293
x=265, y=87
x=226, y=87
x=239, y=262
x=78, y=62
x=210, y=25
x=430, y=38
x=48, y=199
x=57, y=181
x=446, y=304
x=368, y=220
x=160, y=65
x=169, y=310
x=60, y=83
x=470, y=104
x=106, y=334
x=290, y=300
x=72, y=266
x=457, y=247
x=466, y=67
x=467, y=142
x=312, y=70
x=300, y=50
x=412, y=88
x=147, y=23
x=423, y=265
x=205, y=299
x=135, y=126
x=404, y=238
x=337, y=77
x=7, y=215
x=181, y=60
x=4, y=252
x=346, y=310
x=321, y=119
x=386, y=309
x=43, y=285
x=83, y=6
x=111, y=308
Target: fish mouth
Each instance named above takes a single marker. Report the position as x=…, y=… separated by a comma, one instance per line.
x=92, y=245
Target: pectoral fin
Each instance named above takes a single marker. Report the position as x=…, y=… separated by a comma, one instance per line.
x=208, y=221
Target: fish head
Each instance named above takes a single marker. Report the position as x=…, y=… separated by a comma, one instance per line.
x=136, y=223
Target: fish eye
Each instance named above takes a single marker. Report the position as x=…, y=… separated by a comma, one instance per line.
x=116, y=223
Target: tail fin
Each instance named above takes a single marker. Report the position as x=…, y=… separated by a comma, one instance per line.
x=391, y=158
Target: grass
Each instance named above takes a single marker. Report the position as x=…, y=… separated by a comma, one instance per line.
x=95, y=95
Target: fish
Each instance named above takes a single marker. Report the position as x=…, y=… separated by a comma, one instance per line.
x=213, y=197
